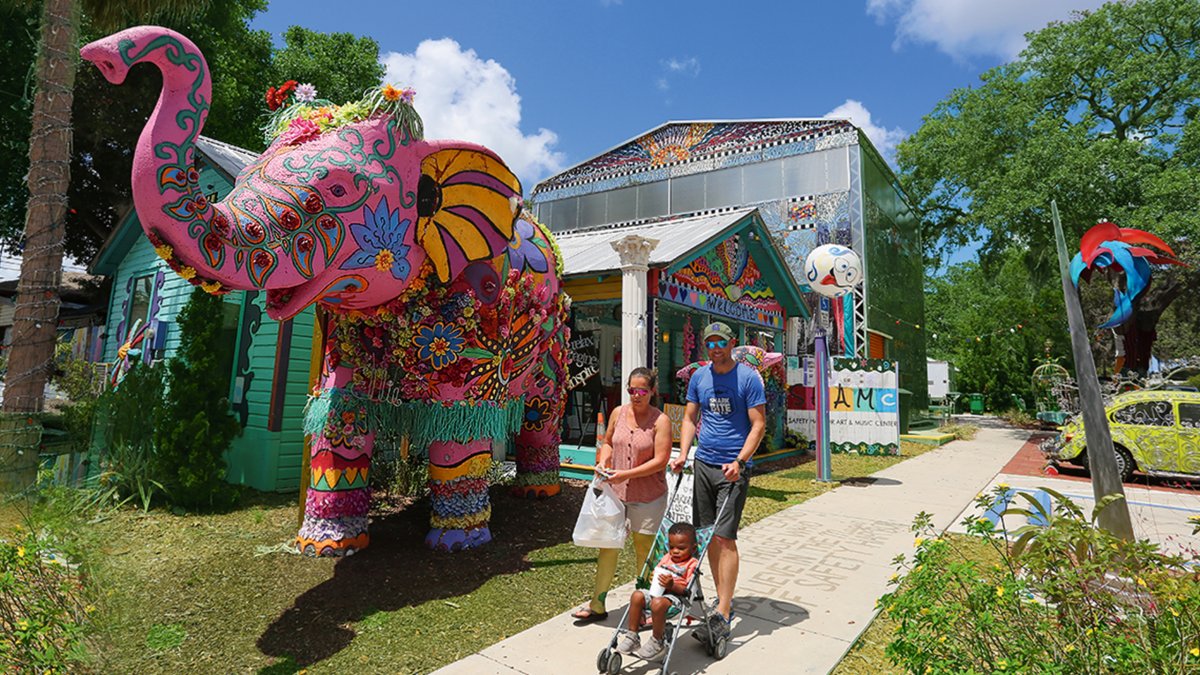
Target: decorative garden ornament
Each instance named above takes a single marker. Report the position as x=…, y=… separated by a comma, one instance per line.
x=1106, y=245
x=446, y=316
x=832, y=270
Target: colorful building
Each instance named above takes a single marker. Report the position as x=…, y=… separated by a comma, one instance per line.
x=647, y=290
x=811, y=182
x=265, y=362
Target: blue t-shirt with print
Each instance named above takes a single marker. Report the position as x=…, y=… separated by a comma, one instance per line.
x=725, y=400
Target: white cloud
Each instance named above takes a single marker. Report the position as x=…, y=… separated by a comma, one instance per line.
x=969, y=28
x=676, y=68
x=884, y=139
x=689, y=65
x=462, y=96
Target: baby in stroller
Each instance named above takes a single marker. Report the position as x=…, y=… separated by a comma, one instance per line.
x=671, y=577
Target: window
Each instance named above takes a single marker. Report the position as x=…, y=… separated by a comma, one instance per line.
x=687, y=193
x=652, y=199
x=762, y=181
x=139, y=302
x=592, y=209
x=224, y=349
x=1189, y=415
x=1146, y=414
x=622, y=205
x=723, y=188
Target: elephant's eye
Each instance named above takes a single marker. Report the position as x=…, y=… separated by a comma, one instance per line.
x=429, y=196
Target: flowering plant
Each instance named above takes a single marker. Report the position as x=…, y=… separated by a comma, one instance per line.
x=277, y=96
x=290, y=102
x=1063, y=597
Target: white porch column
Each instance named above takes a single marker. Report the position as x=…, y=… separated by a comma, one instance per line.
x=793, y=336
x=635, y=261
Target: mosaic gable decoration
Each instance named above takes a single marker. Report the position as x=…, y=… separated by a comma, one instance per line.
x=692, y=141
x=725, y=281
x=445, y=316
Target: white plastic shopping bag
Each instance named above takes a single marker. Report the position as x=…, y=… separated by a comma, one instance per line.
x=601, y=522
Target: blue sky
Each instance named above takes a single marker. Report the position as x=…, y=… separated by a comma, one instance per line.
x=548, y=84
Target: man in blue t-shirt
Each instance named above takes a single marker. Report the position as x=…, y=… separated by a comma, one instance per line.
x=731, y=403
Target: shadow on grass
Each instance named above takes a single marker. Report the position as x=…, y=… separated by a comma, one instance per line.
x=398, y=571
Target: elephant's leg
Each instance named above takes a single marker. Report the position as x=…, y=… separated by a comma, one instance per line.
x=537, y=459
x=338, y=499
x=541, y=426
x=458, y=487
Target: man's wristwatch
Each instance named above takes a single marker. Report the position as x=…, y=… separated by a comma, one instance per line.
x=741, y=463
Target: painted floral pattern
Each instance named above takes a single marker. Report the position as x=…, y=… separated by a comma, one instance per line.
x=380, y=239
x=440, y=344
x=523, y=250
x=537, y=411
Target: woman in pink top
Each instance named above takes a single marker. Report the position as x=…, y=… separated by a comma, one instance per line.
x=634, y=455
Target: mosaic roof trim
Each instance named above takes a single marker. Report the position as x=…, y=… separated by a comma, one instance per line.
x=682, y=142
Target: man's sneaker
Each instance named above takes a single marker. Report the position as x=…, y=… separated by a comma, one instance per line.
x=653, y=649
x=717, y=625
x=630, y=643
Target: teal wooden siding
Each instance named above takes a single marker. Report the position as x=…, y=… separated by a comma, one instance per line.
x=261, y=458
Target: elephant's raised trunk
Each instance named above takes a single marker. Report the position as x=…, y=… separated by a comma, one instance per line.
x=216, y=246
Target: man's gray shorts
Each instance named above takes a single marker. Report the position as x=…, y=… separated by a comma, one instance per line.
x=710, y=491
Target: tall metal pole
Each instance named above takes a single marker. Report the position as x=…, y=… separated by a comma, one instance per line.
x=821, y=389
x=1102, y=459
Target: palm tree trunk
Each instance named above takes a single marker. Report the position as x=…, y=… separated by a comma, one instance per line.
x=36, y=318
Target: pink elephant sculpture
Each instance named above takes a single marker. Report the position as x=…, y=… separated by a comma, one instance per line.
x=445, y=315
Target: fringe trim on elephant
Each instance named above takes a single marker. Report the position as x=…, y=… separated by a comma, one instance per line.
x=461, y=522
x=423, y=422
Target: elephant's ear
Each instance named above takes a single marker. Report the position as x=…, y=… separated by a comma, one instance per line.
x=467, y=205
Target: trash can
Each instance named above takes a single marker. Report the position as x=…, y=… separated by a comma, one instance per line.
x=976, y=404
x=905, y=409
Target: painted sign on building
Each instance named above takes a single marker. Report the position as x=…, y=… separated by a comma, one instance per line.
x=864, y=410
x=725, y=281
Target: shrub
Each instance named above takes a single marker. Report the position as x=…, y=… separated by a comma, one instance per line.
x=962, y=432
x=128, y=416
x=196, y=426
x=43, y=609
x=1065, y=598
x=81, y=383
x=1019, y=418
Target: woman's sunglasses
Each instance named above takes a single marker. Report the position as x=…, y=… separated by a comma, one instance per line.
x=717, y=344
x=637, y=391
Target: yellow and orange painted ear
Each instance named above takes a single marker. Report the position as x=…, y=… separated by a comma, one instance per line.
x=467, y=206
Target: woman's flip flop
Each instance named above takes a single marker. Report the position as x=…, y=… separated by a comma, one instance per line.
x=585, y=615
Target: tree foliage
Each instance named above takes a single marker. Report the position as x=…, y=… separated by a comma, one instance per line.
x=1098, y=112
x=244, y=63
x=994, y=326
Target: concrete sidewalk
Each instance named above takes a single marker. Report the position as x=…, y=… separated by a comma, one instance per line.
x=809, y=577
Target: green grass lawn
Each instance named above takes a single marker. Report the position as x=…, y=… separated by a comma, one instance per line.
x=201, y=593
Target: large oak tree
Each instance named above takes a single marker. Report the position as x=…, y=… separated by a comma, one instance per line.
x=1100, y=113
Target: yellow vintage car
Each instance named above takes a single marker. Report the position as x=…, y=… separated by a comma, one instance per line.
x=1155, y=432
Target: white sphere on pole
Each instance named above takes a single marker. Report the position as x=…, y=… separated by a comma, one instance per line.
x=832, y=270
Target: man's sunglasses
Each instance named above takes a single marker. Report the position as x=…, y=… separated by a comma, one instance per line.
x=717, y=344
x=638, y=391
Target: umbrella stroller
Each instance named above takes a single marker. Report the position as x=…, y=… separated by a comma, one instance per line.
x=609, y=659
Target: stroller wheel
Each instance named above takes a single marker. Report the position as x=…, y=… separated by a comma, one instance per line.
x=720, y=648
x=602, y=660
x=614, y=663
